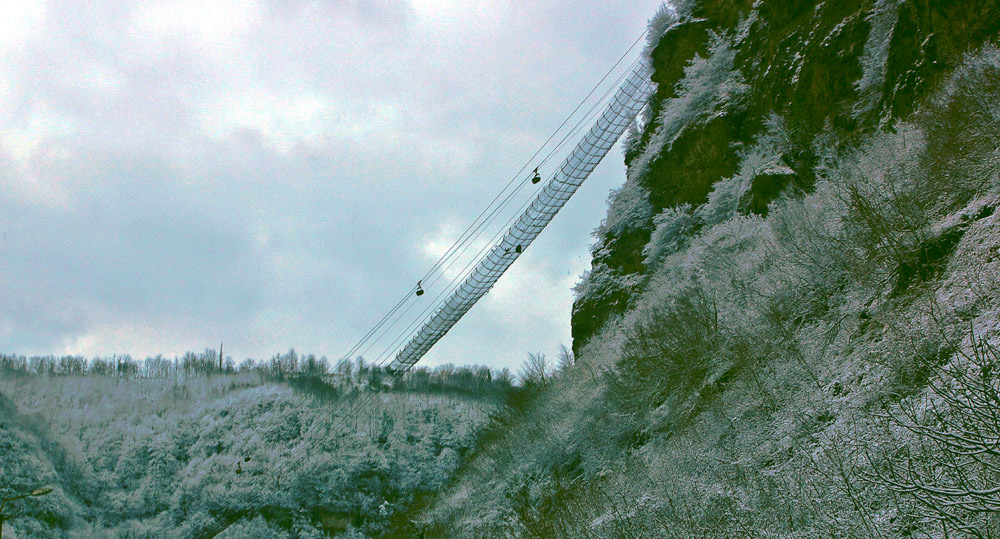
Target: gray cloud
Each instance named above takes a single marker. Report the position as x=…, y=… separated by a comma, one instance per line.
x=270, y=174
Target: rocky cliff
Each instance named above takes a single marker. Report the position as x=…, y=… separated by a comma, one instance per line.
x=725, y=70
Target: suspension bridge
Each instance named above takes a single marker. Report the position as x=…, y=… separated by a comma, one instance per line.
x=501, y=233
x=577, y=167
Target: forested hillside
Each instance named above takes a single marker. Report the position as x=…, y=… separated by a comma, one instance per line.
x=790, y=327
x=183, y=448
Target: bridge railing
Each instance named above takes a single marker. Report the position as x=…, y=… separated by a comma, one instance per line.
x=630, y=98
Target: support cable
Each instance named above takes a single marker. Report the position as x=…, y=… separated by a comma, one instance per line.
x=549, y=198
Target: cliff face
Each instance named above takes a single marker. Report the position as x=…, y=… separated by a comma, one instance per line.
x=726, y=69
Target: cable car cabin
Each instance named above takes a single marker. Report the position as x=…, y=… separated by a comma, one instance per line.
x=517, y=250
x=420, y=289
x=536, y=178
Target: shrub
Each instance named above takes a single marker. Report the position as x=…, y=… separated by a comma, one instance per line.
x=535, y=371
x=673, y=228
x=762, y=175
x=875, y=59
x=628, y=210
x=811, y=255
x=668, y=350
x=962, y=123
x=952, y=469
x=712, y=87
x=886, y=215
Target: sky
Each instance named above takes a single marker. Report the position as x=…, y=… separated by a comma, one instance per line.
x=276, y=174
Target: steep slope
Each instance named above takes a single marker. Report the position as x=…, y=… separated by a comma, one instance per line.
x=790, y=328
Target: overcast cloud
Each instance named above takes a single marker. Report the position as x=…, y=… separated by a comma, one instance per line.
x=274, y=174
